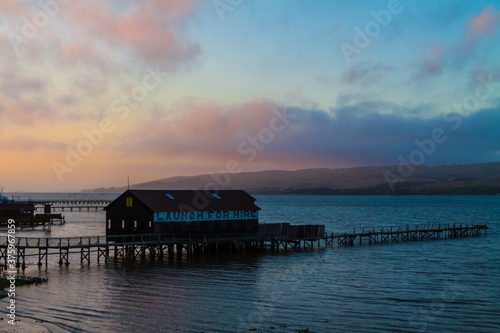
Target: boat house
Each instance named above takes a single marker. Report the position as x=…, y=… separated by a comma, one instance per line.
x=22, y=213
x=182, y=211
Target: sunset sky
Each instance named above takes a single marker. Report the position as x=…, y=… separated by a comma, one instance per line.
x=93, y=91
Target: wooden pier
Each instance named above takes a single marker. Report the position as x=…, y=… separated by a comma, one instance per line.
x=70, y=205
x=408, y=234
x=134, y=246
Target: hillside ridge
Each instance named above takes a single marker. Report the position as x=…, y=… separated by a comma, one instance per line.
x=481, y=178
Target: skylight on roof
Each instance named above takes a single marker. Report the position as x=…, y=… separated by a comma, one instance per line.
x=216, y=196
x=169, y=196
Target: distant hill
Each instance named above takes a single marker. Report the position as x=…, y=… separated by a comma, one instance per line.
x=450, y=179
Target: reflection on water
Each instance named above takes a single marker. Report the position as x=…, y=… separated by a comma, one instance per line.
x=446, y=285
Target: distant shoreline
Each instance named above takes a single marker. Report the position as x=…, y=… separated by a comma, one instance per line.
x=337, y=192
x=384, y=192
x=470, y=179
x=399, y=190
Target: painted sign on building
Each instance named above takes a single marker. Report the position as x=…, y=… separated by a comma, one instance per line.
x=205, y=216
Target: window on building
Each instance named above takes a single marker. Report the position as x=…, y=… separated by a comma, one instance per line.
x=135, y=224
x=123, y=224
x=150, y=224
x=109, y=224
x=129, y=202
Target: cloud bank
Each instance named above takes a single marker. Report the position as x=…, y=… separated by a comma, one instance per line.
x=342, y=137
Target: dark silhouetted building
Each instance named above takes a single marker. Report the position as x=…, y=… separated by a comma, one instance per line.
x=182, y=212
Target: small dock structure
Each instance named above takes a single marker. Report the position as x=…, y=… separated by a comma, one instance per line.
x=25, y=217
x=70, y=205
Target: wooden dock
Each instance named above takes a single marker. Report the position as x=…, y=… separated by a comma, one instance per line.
x=70, y=205
x=409, y=234
x=134, y=246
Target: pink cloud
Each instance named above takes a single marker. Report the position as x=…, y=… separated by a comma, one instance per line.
x=97, y=31
x=479, y=28
x=200, y=128
x=485, y=24
x=150, y=30
x=76, y=51
x=28, y=112
x=437, y=57
x=11, y=7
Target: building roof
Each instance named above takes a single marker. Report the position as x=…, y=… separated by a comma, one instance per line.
x=171, y=201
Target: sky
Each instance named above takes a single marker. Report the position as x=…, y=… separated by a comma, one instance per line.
x=93, y=91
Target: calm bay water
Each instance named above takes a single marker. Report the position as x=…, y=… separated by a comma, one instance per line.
x=443, y=285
